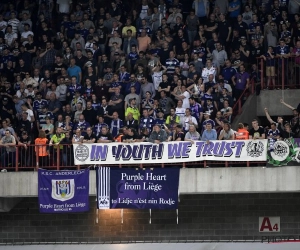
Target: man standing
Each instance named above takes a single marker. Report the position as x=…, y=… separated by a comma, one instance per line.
x=257, y=132
x=116, y=124
x=241, y=82
x=8, y=156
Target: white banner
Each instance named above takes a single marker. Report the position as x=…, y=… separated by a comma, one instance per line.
x=169, y=152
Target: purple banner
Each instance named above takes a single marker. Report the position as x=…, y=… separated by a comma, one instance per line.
x=137, y=189
x=63, y=191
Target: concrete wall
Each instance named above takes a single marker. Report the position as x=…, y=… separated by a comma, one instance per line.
x=192, y=181
x=271, y=99
x=201, y=217
x=248, y=112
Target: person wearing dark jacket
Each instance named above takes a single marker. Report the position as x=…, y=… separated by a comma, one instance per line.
x=67, y=151
x=158, y=135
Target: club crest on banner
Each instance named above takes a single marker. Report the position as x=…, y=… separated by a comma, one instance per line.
x=63, y=190
x=284, y=152
x=81, y=153
x=255, y=148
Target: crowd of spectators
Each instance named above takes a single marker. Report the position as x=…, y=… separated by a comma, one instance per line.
x=102, y=71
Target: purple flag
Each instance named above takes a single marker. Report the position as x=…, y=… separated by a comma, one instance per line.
x=137, y=189
x=63, y=191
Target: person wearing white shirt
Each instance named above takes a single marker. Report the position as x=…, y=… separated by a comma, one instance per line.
x=180, y=111
x=189, y=120
x=3, y=24
x=63, y=6
x=25, y=34
x=14, y=22
x=30, y=115
x=10, y=36
x=184, y=97
x=208, y=70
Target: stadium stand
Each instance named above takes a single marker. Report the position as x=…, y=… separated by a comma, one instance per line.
x=124, y=71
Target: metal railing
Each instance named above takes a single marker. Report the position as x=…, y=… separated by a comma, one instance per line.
x=286, y=73
x=61, y=158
